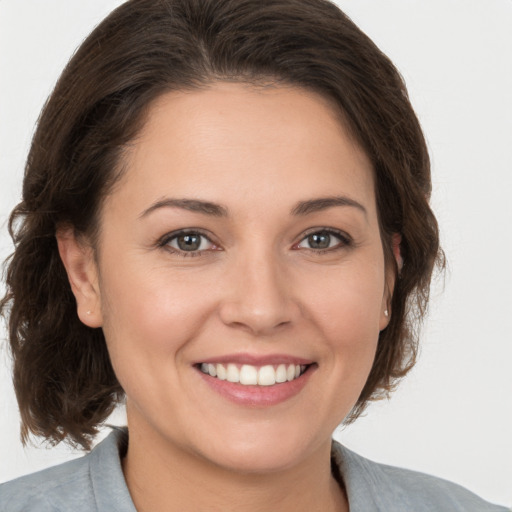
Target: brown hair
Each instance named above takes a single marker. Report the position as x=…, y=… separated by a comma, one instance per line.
x=63, y=377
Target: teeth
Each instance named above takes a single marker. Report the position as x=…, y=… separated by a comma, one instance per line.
x=249, y=375
x=221, y=372
x=232, y=373
x=281, y=373
x=266, y=376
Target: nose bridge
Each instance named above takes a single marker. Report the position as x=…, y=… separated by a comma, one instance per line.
x=258, y=295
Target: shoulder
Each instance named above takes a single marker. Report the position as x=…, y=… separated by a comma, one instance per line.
x=48, y=490
x=383, y=487
x=94, y=482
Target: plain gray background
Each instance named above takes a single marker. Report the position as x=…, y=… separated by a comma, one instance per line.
x=452, y=416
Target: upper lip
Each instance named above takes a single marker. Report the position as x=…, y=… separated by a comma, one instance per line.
x=256, y=360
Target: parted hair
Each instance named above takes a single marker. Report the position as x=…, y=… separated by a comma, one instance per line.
x=63, y=377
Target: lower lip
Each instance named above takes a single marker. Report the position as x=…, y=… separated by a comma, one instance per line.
x=258, y=396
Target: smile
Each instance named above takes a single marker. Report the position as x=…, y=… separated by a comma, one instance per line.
x=249, y=375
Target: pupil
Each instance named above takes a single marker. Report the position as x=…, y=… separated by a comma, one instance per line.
x=189, y=242
x=319, y=241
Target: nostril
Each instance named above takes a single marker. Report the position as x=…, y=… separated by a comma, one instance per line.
x=257, y=319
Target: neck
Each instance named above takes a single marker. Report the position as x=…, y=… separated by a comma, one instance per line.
x=163, y=477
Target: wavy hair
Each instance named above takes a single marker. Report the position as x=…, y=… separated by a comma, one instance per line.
x=64, y=381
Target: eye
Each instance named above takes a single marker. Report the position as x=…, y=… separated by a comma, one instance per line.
x=324, y=239
x=191, y=242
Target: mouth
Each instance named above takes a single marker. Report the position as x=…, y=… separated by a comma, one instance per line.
x=253, y=375
x=250, y=380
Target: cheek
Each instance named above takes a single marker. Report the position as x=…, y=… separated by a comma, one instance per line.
x=347, y=303
x=347, y=312
x=149, y=315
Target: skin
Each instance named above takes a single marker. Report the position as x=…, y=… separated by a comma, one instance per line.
x=258, y=288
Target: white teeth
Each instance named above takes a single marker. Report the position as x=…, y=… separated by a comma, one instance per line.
x=221, y=372
x=281, y=373
x=249, y=375
x=266, y=376
x=232, y=373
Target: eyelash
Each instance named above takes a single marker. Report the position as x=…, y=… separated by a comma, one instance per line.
x=345, y=241
x=167, y=239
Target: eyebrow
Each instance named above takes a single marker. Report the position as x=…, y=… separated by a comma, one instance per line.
x=323, y=203
x=192, y=205
x=302, y=208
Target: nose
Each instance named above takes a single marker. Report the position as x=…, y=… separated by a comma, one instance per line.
x=258, y=296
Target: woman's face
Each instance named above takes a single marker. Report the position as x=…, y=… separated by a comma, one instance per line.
x=242, y=241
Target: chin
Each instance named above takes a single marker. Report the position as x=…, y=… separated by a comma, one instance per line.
x=263, y=452
x=257, y=460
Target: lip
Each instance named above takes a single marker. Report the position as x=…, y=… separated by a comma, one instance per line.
x=257, y=396
x=256, y=360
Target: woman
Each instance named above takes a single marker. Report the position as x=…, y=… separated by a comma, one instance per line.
x=225, y=220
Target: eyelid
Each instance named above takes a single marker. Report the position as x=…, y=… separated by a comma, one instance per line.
x=164, y=241
x=345, y=239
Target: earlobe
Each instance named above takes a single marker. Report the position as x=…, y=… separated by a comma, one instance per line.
x=385, y=315
x=397, y=251
x=78, y=260
x=387, y=298
x=391, y=277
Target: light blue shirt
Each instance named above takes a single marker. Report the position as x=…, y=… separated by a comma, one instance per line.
x=95, y=483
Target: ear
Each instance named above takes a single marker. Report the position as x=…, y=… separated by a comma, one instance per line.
x=391, y=277
x=78, y=259
x=385, y=309
x=396, y=240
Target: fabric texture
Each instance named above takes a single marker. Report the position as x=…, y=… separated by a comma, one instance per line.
x=95, y=483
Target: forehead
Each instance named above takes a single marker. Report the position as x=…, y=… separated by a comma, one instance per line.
x=230, y=141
